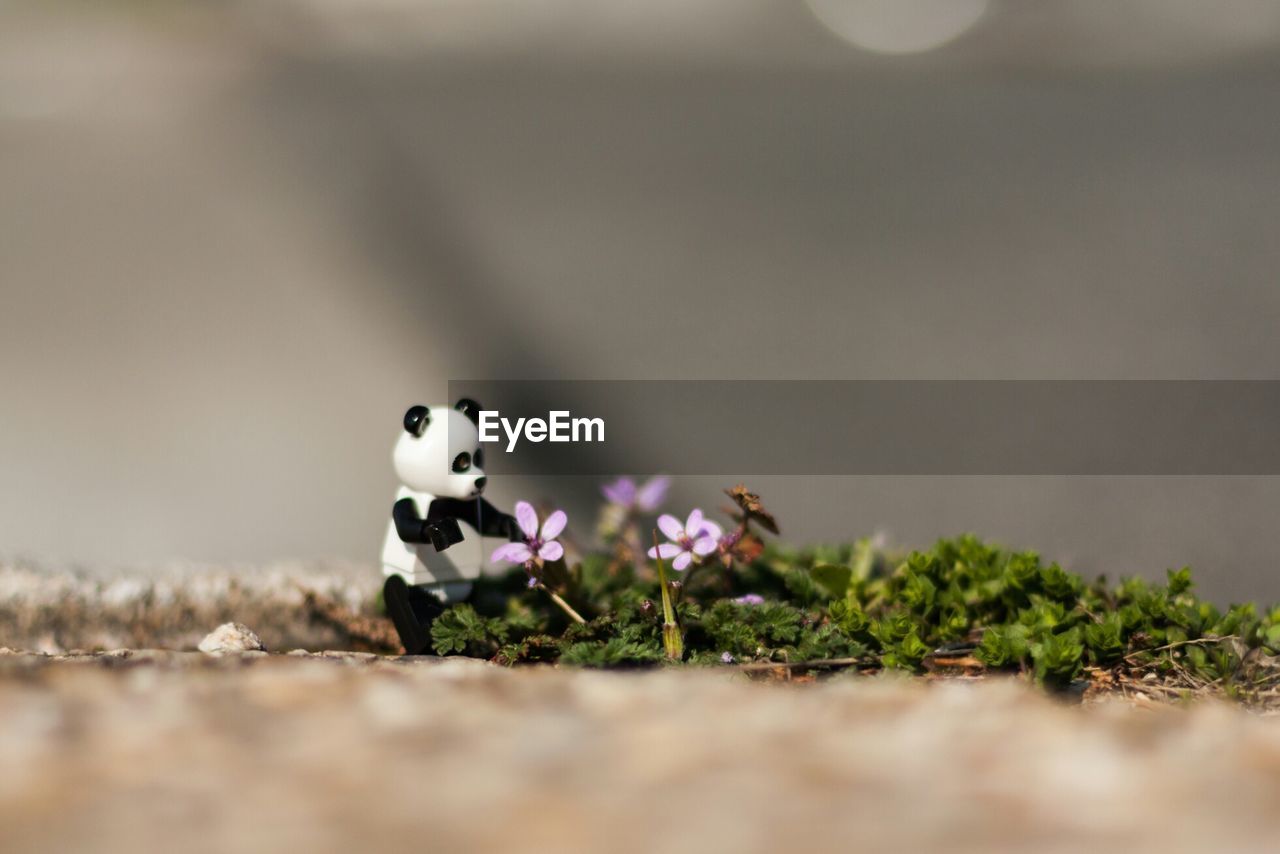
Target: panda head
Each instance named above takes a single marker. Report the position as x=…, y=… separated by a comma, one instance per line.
x=439, y=453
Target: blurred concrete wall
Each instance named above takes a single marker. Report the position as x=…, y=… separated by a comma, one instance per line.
x=236, y=241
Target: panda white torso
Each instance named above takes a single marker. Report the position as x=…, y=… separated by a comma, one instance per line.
x=448, y=573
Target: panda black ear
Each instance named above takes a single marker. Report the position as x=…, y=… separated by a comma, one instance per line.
x=469, y=408
x=417, y=419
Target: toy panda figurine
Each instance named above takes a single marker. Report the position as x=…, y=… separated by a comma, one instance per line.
x=438, y=507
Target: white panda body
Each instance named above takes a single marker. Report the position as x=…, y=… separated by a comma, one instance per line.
x=434, y=540
x=448, y=574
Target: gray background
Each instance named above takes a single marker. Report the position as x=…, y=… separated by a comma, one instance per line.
x=237, y=240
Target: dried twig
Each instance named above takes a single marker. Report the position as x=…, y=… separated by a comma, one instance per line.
x=1177, y=644
x=801, y=665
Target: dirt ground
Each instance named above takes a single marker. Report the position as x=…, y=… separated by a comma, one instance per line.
x=161, y=751
x=137, y=742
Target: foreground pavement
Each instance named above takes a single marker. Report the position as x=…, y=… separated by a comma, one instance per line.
x=162, y=751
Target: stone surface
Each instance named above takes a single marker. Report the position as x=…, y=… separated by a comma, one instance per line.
x=230, y=638
x=292, y=604
x=137, y=750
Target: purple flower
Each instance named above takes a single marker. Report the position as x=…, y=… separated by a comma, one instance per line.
x=726, y=658
x=645, y=498
x=750, y=599
x=697, y=538
x=536, y=545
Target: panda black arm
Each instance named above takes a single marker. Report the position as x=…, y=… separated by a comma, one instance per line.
x=411, y=528
x=479, y=514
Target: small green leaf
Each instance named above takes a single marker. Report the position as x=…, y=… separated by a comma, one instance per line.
x=907, y=654
x=864, y=559
x=833, y=577
x=1105, y=640
x=849, y=618
x=461, y=629
x=1273, y=637
x=918, y=593
x=1003, y=646
x=1179, y=581
x=612, y=653
x=1059, y=583
x=1058, y=658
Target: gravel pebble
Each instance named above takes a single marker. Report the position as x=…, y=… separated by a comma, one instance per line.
x=230, y=638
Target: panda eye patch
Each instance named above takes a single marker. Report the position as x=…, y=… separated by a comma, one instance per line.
x=462, y=462
x=478, y=458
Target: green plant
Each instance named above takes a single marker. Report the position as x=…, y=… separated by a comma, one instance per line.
x=461, y=629
x=856, y=604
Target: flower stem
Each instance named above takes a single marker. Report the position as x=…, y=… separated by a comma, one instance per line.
x=564, y=606
x=672, y=639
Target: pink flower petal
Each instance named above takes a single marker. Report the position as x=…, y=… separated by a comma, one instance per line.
x=670, y=526
x=554, y=525
x=527, y=518
x=512, y=553
x=621, y=491
x=668, y=550
x=551, y=551
x=710, y=529
x=705, y=546
x=694, y=525
x=652, y=494
x=682, y=561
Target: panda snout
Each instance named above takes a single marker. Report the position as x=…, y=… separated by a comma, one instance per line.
x=480, y=482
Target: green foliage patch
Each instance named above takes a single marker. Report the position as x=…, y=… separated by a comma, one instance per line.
x=854, y=605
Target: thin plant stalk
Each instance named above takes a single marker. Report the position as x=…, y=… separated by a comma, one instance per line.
x=563, y=605
x=672, y=639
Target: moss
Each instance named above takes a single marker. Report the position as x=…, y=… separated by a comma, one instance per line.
x=1007, y=610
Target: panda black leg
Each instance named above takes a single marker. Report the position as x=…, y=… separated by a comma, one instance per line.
x=412, y=610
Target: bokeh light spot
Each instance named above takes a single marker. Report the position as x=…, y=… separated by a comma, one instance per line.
x=898, y=26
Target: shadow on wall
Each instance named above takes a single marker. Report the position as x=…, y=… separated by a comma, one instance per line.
x=221, y=292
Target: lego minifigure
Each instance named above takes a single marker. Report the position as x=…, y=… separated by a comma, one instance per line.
x=434, y=549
